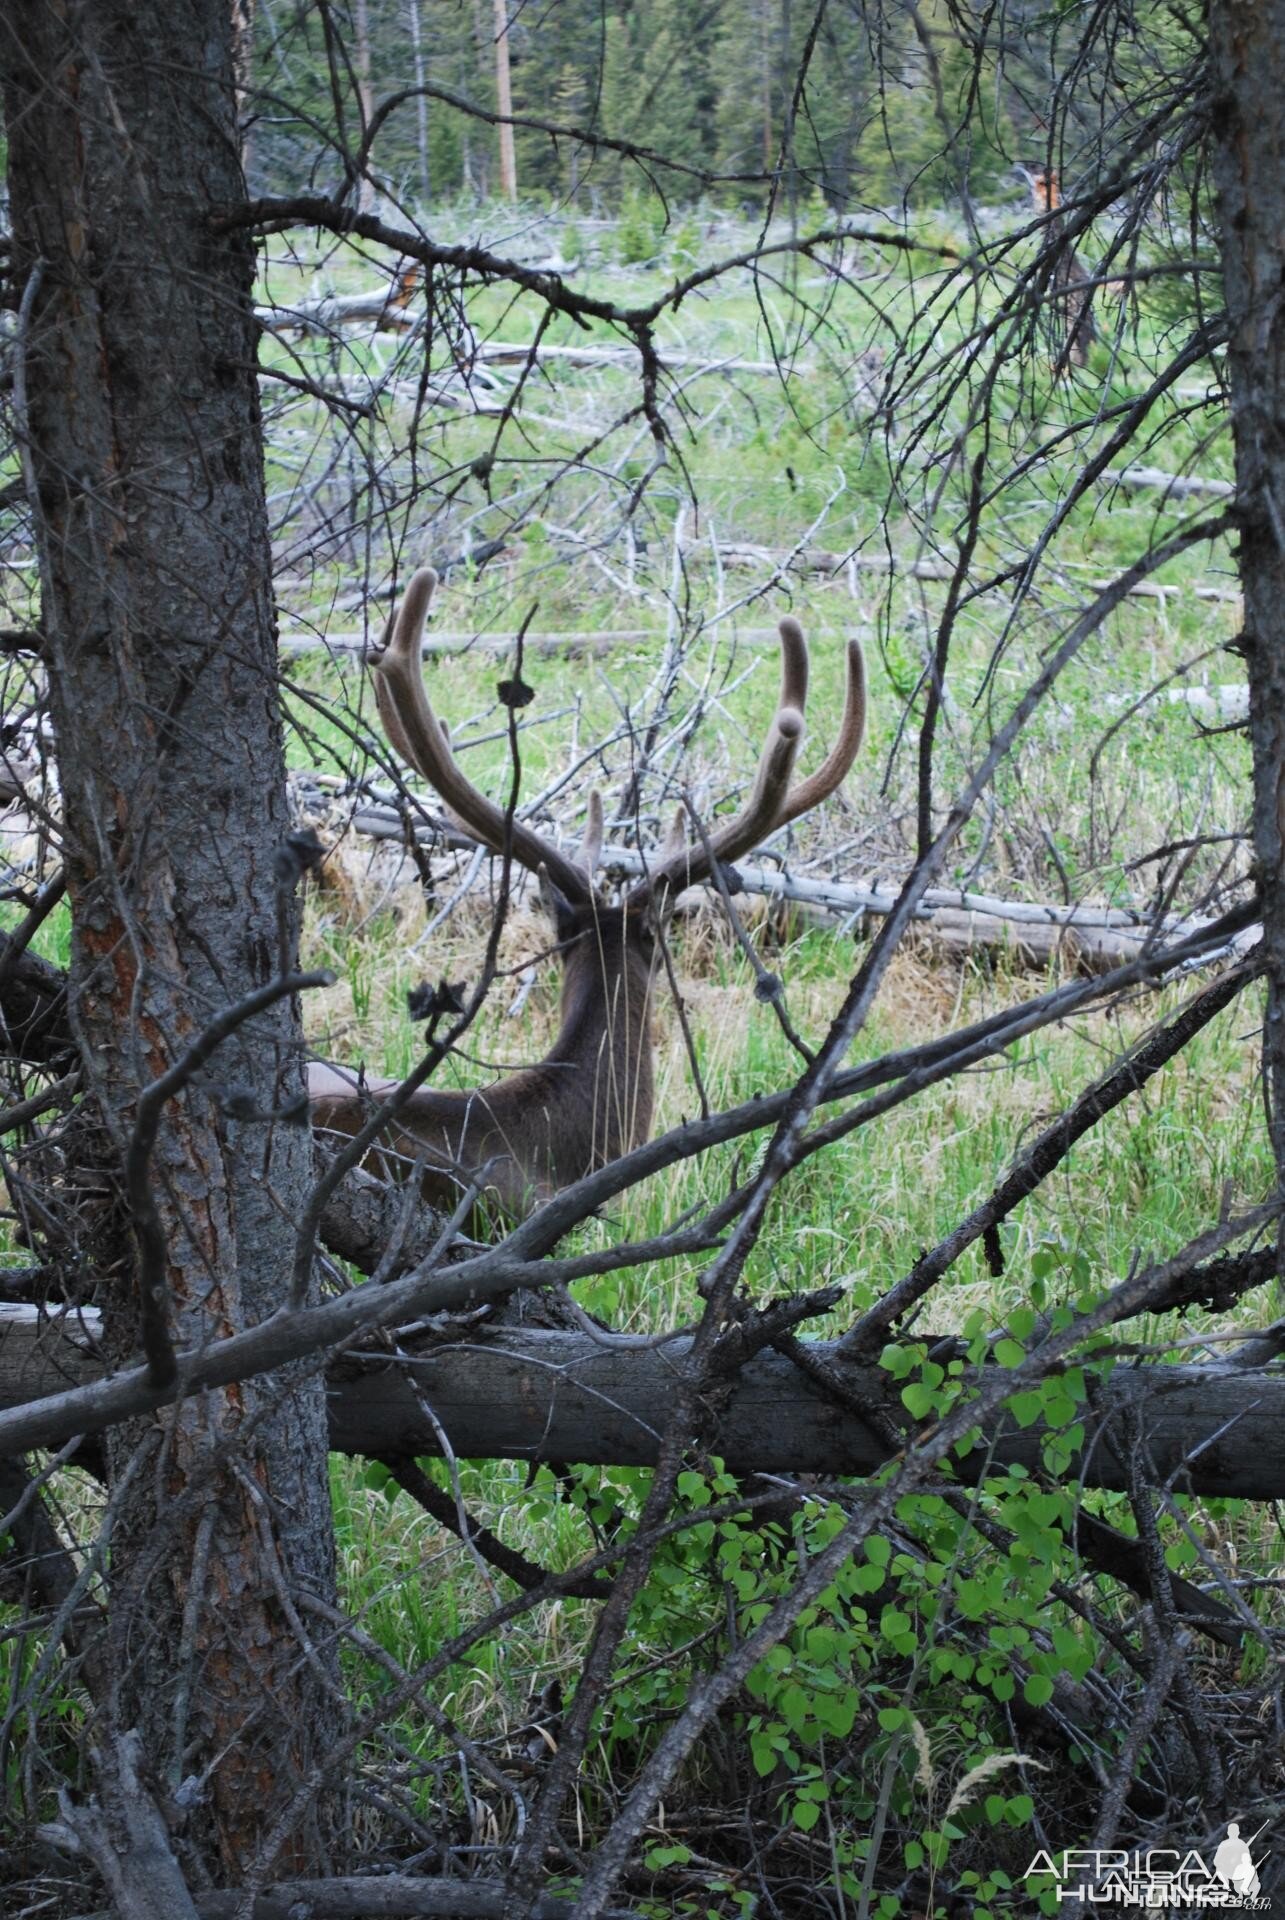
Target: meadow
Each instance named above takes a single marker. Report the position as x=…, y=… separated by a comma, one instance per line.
x=822, y=416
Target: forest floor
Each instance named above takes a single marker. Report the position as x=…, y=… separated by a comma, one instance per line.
x=781, y=446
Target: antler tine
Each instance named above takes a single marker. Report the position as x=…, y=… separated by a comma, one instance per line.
x=415, y=733
x=772, y=803
x=771, y=795
x=794, y=665
x=388, y=716
x=759, y=815
x=674, y=845
x=820, y=785
x=591, y=845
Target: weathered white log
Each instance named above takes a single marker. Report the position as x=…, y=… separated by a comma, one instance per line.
x=845, y=899
x=506, y=353
x=1179, y=486
x=1224, y=705
x=1078, y=949
x=300, y=641
x=1019, y=933
x=824, y=561
x=744, y=553
x=388, y=306
x=528, y=1395
x=570, y=640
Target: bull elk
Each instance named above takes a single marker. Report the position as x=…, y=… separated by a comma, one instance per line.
x=1072, y=285
x=591, y=1098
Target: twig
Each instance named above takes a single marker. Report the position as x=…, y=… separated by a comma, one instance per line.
x=769, y=988
x=450, y=1513
x=1044, y=1154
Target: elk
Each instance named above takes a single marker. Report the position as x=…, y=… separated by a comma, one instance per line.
x=1072, y=285
x=591, y=1098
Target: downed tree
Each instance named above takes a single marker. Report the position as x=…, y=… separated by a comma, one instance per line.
x=387, y=308
x=1087, y=939
x=1176, y=486
x=566, y=1396
x=831, y=564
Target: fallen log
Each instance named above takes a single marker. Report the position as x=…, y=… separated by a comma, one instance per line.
x=390, y=1896
x=823, y=560
x=1019, y=933
x=831, y=564
x=295, y=642
x=387, y=307
x=1176, y=486
x=553, y=1396
x=1088, y=949
x=33, y=1010
x=503, y=353
x=1226, y=705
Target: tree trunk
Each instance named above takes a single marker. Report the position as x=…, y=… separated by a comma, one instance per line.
x=504, y=102
x=1247, y=47
x=421, y=101
x=361, y=21
x=143, y=430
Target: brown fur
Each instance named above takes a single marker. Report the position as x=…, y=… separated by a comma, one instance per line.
x=1071, y=283
x=588, y=1101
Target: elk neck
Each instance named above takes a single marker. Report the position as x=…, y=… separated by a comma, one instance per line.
x=599, y=1073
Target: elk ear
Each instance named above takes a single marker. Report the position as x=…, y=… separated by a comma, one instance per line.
x=558, y=907
x=647, y=920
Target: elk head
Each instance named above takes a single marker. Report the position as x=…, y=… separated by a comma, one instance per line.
x=590, y=1099
x=1046, y=189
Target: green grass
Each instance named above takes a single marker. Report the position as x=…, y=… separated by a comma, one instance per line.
x=1076, y=809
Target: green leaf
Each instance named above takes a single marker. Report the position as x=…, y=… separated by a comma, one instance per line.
x=1026, y=1408
x=917, y=1399
x=837, y=1711
x=897, y=1360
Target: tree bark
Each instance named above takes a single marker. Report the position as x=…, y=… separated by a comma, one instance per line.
x=365, y=94
x=137, y=349
x=1247, y=49
x=421, y=101
x=504, y=103
x=527, y=1394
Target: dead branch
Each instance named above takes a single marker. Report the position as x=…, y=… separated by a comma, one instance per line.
x=127, y=1840
x=392, y=1896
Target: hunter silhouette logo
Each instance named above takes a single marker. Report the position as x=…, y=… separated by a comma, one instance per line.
x=1233, y=1865
x=1160, y=1878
